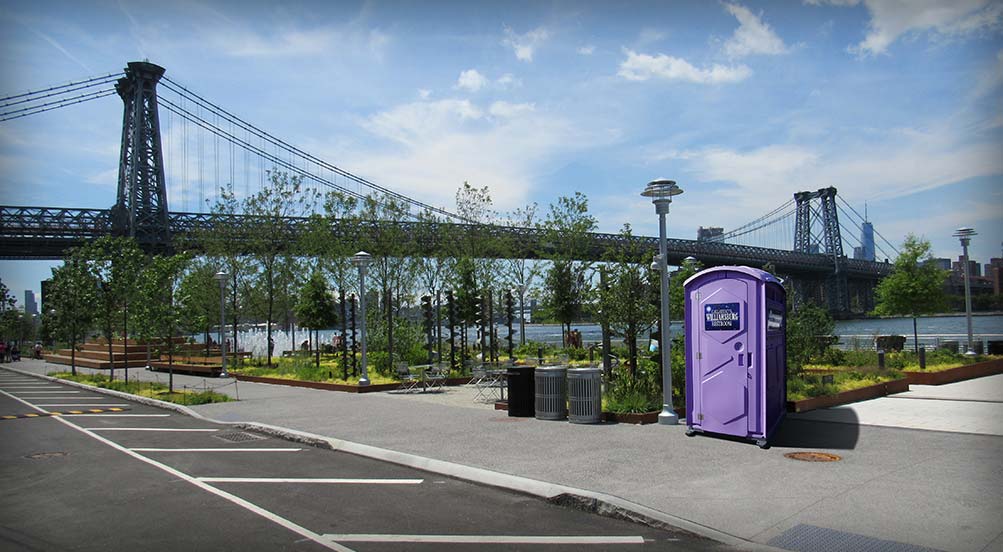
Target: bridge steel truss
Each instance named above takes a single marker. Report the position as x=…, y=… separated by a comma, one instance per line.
x=47, y=233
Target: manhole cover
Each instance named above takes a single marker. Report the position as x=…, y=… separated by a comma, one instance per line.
x=813, y=456
x=44, y=455
x=239, y=437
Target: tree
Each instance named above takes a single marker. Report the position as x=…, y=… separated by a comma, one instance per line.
x=115, y=262
x=626, y=302
x=159, y=313
x=522, y=273
x=809, y=330
x=270, y=241
x=315, y=308
x=568, y=226
x=915, y=286
x=198, y=296
x=677, y=296
x=72, y=300
x=8, y=313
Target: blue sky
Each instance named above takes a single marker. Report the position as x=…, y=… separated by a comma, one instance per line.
x=897, y=104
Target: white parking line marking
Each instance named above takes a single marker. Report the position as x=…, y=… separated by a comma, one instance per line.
x=71, y=398
x=488, y=539
x=216, y=449
x=144, y=429
x=31, y=386
x=299, y=530
x=310, y=480
x=44, y=392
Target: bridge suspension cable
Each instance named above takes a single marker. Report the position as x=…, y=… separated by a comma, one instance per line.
x=32, y=102
x=761, y=222
x=859, y=217
x=293, y=151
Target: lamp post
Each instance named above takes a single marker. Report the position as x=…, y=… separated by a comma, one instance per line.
x=661, y=191
x=965, y=235
x=221, y=277
x=361, y=260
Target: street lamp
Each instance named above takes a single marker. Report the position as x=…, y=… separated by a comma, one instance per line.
x=661, y=191
x=965, y=235
x=222, y=276
x=361, y=260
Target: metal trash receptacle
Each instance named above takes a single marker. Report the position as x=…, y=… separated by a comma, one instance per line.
x=995, y=347
x=950, y=345
x=585, y=395
x=521, y=391
x=551, y=393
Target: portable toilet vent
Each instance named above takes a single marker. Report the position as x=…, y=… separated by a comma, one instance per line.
x=736, y=353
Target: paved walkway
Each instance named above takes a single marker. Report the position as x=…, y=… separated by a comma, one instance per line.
x=935, y=489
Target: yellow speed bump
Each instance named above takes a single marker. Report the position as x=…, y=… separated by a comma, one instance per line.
x=67, y=413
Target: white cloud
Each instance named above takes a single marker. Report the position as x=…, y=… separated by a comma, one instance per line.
x=890, y=19
x=524, y=45
x=586, y=50
x=509, y=110
x=508, y=80
x=433, y=147
x=424, y=93
x=752, y=36
x=471, y=80
x=641, y=67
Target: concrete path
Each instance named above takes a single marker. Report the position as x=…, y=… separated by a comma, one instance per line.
x=935, y=489
x=973, y=406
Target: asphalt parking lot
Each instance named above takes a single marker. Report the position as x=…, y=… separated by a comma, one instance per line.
x=142, y=477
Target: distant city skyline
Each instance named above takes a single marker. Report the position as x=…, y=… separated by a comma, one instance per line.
x=743, y=104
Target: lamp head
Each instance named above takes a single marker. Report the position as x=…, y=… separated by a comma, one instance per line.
x=361, y=259
x=661, y=189
x=221, y=276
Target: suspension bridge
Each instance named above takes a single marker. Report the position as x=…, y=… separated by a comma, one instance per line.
x=207, y=148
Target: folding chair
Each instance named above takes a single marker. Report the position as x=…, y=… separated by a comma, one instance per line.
x=435, y=377
x=409, y=381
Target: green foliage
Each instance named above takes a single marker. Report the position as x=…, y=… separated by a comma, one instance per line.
x=805, y=386
x=635, y=393
x=629, y=300
x=149, y=389
x=315, y=308
x=71, y=302
x=115, y=263
x=158, y=313
x=809, y=329
x=677, y=297
x=915, y=286
x=11, y=318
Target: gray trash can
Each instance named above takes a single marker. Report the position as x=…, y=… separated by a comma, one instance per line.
x=551, y=393
x=585, y=395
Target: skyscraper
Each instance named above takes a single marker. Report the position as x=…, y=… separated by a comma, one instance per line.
x=866, y=250
x=30, y=306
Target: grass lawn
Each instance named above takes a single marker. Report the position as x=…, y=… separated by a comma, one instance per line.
x=147, y=389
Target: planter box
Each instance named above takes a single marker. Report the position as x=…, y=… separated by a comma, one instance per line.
x=318, y=384
x=640, y=418
x=336, y=386
x=846, y=397
x=960, y=373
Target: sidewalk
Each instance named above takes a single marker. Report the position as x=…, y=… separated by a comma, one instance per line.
x=936, y=489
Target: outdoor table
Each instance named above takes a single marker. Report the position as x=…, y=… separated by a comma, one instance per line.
x=499, y=383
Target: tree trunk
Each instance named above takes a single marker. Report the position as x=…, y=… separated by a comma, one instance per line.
x=233, y=309
x=271, y=305
x=73, y=353
x=915, y=336
x=125, y=340
x=522, y=317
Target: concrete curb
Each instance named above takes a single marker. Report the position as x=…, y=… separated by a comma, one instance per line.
x=595, y=502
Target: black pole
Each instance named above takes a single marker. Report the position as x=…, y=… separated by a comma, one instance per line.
x=451, y=317
x=607, y=364
x=489, y=297
x=390, y=326
x=438, y=322
x=508, y=323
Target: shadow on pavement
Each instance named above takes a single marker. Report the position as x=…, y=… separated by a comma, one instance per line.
x=800, y=433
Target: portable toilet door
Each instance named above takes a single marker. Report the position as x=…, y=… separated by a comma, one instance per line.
x=726, y=352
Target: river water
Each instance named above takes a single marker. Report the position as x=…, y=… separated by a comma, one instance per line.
x=852, y=333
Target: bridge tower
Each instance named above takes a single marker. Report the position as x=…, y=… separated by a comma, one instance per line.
x=814, y=206
x=141, y=209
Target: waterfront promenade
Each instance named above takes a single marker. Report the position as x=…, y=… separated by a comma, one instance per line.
x=922, y=488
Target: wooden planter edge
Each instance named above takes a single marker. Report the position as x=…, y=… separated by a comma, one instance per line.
x=852, y=396
x=961, y=373
x=335, y=386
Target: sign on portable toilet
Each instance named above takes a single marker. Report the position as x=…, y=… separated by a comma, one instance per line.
x=736, y=353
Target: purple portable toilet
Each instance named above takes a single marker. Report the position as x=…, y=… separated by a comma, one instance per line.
x=736, y=353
